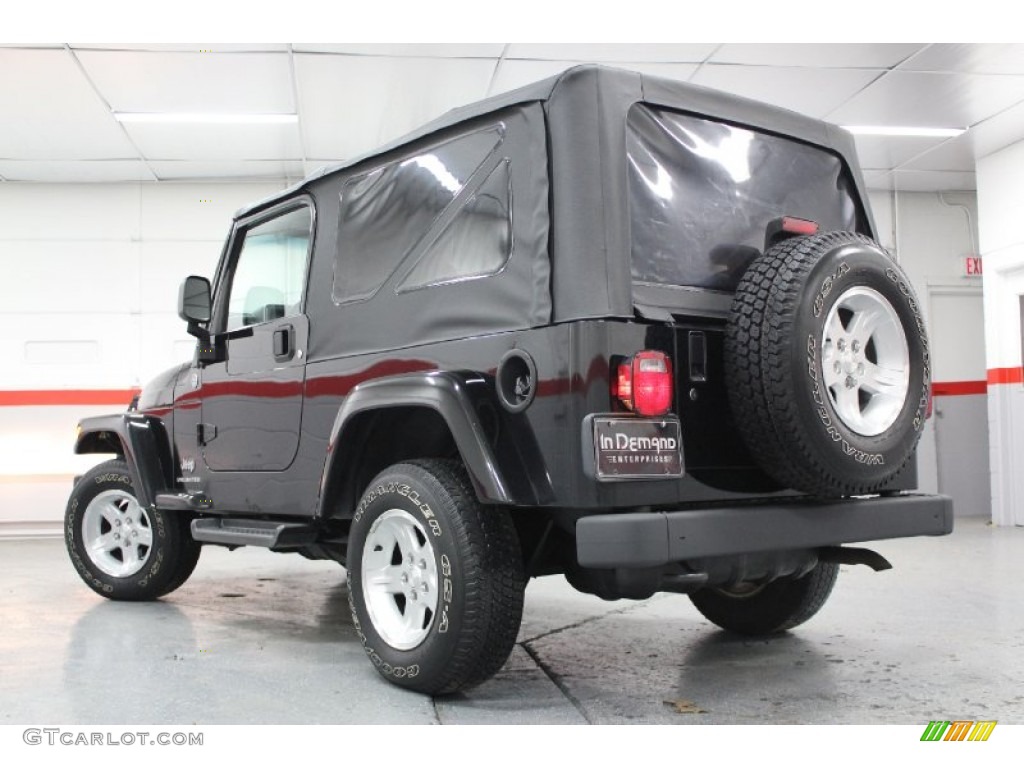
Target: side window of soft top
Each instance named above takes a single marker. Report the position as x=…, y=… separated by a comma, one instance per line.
x=269, y=277
x=389, y=215
x=475, y=243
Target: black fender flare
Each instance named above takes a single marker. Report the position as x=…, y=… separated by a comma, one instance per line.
x=141, y=440
x=511, y=473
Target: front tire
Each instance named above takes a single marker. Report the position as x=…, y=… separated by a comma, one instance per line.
x=758, y=610
x=121, y=550
x=435, y=578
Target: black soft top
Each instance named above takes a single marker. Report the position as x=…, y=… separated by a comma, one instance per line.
x=586, y=109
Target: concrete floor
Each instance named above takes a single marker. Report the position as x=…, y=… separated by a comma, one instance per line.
x=256, y=637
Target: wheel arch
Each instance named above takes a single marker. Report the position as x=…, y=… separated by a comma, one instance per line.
x=430, y=415
x=141, y=440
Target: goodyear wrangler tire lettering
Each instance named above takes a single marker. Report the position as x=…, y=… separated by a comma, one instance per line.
x=826, y=287
x=121, y=551
x=435, y=578
x=828, y=364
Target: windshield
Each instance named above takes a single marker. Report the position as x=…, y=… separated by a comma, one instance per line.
x=702, y=194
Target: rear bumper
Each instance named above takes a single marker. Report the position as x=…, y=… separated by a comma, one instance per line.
x=646, y=539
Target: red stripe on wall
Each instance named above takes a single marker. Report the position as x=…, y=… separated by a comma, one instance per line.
x=949, y=388
x=67, y=396
x=1006, y=375
x=124, y=396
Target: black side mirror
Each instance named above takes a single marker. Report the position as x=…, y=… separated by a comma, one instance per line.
x=194, y=300
x=194, y=308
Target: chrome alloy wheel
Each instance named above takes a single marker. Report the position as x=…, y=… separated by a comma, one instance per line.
x=399, y=579
x=865, y=361
x=117, y=534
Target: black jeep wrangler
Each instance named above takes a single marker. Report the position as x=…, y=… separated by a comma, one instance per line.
x=610, y=326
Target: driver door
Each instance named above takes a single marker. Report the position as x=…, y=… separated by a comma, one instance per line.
x=252, y=400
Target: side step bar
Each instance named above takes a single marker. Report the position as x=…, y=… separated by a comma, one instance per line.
x=253, y=533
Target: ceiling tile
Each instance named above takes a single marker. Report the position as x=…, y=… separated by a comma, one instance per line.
x=680, y=72
x=211, y=141
x=878, y=152
x=515, y=73
x=813, y=92
x=931, y=99
x=962, y=153
x=183, y=47
x=191, y=82
x=442, y=50
x=952, y=155
x=976, y=58
x=998, y=132
x=69, y=123
x=355, y=97
x=350, y=105
x=613, y=52
x=74, y=170
x=180, y=170
x=849, y=55
x=312, y=166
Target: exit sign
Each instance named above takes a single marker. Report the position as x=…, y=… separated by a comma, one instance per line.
x=972, y=266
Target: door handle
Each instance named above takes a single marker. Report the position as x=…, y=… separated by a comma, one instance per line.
x=205, y=433
x=284, y=343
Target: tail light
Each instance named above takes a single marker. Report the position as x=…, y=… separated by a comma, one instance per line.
x=643, y=383
x=785, y=227
x=795, y=226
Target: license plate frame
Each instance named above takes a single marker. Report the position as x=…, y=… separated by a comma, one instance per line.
x=636, y=448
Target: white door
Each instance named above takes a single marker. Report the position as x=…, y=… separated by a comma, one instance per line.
x=959, y=376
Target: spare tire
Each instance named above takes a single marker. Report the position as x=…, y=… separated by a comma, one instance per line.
x=827, y=364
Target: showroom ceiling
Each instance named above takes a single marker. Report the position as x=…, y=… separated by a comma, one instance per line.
x=58, y=102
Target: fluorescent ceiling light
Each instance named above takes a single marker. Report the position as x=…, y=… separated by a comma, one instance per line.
x=899, y=130
x=203, y=117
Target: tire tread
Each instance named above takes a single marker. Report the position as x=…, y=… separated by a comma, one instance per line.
x=758, y=348
x=490, y=576
x=183, y=550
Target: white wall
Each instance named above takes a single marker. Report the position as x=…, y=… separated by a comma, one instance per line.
x=91, y=275
x=1000, y=204
x=930, y=233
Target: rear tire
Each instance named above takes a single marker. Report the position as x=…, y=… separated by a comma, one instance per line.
x=770, y=608
x=121, y=550
x=435, y=578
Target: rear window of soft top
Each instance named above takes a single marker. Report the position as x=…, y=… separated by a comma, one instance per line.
x=703, y=192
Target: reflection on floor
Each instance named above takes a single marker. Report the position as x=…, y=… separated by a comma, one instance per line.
x=256, y=637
